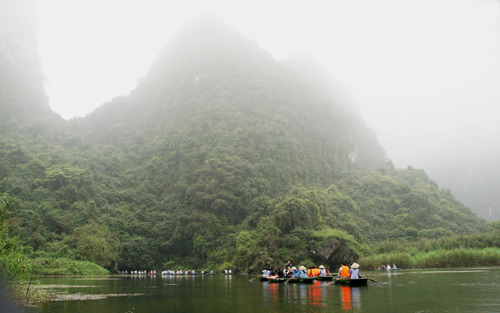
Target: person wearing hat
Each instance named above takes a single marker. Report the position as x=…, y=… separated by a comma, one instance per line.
x=302, y=273
x=322, y=271
x=354, y=271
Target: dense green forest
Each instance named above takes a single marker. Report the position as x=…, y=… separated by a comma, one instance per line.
x=222, y=157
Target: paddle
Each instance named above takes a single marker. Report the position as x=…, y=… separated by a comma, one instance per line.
x=255, y=278
x=373, y=280
x=288, y=280
x=333, y=282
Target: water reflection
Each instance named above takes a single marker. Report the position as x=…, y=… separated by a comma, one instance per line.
x=351, y=298
x=318, y=294
x=313, y=296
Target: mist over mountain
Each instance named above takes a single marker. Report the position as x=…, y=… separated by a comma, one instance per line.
x=221, y=157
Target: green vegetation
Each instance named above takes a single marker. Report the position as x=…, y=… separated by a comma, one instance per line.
x=457, y=251
x=14, y=266
x=221, y=158
x=63, y=266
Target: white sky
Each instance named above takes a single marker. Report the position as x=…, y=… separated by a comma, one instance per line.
x=423, y=72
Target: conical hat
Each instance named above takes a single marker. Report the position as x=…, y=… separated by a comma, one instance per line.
x=355, y=265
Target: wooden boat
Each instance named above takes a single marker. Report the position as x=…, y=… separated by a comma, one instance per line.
x=264, y=278
x=308, y=280
x=324, y=278
x=352, y=282
x=277, y=280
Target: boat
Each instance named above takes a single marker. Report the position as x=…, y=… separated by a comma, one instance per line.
x=264, y=278
x=352, y=282
x=277, y=280
x=324, y=278
x=308, y=280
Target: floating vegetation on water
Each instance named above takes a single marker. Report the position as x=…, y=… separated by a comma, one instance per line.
x=66, y=286
x=83, y=278
x=83, y=296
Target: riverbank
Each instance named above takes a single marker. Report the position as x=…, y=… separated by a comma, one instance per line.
x=65, y=267
x=482, y=249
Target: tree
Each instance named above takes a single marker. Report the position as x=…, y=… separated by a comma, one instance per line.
x=97, y=243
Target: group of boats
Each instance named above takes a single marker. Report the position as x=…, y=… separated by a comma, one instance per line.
x=310, y=280
x=176, y=273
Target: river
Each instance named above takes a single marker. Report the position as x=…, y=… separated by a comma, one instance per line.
x=449, y=290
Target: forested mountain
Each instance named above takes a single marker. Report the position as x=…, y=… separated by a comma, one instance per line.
x=222, y=157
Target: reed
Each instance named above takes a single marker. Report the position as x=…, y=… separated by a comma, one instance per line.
x=435, y=259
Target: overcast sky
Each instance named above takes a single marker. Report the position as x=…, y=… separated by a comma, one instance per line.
x=424, y=73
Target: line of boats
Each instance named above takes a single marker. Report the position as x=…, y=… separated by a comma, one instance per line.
x=363, y=281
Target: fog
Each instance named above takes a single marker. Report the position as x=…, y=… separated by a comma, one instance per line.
x=425, y=75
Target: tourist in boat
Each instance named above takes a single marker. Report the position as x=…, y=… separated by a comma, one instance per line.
x=302, y=273
x=286, y=272
x=354, y=271
x=315, y=271
x=322, y=271
x=267, y=273
x=288, y=264
x=394, y=266
x=279, y=273
x=344, y=271
x=388, y=267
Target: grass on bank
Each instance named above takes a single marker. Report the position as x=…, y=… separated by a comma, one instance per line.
x=435, y=259
x=482, y=249
x=63, y=266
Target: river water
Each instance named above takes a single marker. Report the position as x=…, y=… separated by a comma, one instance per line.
x=450, y=290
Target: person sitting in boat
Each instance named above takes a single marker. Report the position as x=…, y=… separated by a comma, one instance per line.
x=344, y=271
x=394, y=266
x=267, y=273
x=388, y=267
x=294, y=271
x=302, y=273
x=315, y=271
x=279, y=273
x=322, y=271
x=354, y=271
x=288, y=264
x=286, y=273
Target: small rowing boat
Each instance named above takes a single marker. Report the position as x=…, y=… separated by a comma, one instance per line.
x=324, y=278
x=308, y=280
x=352, y=282
x=277, y=280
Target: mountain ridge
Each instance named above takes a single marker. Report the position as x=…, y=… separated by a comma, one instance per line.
x=221, y=157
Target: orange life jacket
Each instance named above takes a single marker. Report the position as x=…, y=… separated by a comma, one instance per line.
x=315, y=271
x=309, y=272
x=344, y=272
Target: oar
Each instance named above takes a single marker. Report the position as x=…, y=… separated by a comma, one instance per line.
x=333, y=282
x=255, y=278
x=288, y=280
x=373, y=280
